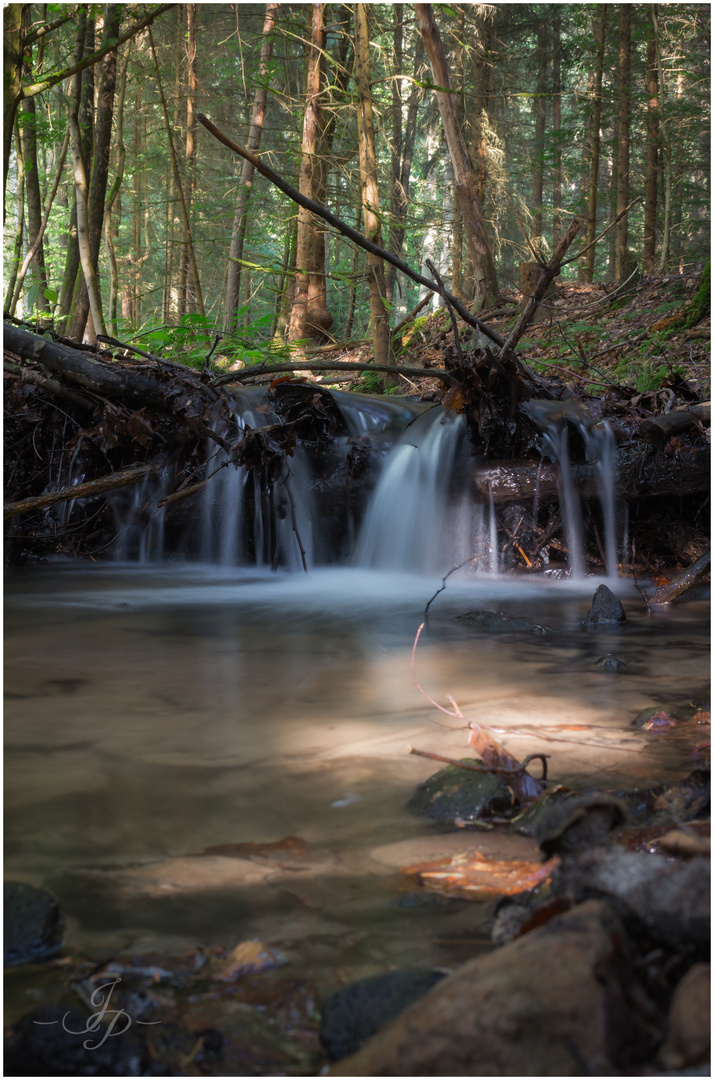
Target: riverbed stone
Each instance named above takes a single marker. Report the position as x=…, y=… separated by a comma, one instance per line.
x=457, y=795
x=354, y=1014
x=554, y=1002
x=606, y=608
x=668, y=900
x=33, y=924
x=688, y=1039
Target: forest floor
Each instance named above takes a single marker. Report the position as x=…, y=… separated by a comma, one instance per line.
x=588, y=341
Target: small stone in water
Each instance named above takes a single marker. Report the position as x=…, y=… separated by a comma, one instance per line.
x=347, y=800
x=608, y=662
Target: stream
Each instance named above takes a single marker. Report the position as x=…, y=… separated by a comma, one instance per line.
x=155, y=712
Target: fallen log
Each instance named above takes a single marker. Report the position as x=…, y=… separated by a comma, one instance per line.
x=683, y=581
x=640, y=473
x=330, y=365
x=78, y=491
x=659, y=428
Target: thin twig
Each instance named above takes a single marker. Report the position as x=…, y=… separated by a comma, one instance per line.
x=443, y=582
x=457, y=715
x=579, y=255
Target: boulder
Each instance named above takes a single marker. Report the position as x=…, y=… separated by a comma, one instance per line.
x=689, y=1024
x=606, y=609
x=460, y=794
x=551, y=1003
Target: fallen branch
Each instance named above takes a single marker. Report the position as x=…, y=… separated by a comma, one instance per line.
x=78, y=491
x=683, y=581
x=326, y=365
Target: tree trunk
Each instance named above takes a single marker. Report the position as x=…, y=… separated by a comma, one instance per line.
x=557, y=132
x=14, y=31
x=650, y=233
x=240, y=219
x=34, y=200
x=666, y=150
x=483, y=31
x=595, y=161
x=84, y=42
x=623, y=151
x=10, y=301
x=99, y=172
x=466, y=188
x=83, y=237
x=539, y=144
x=310, y=253
x=379, y=316
x=111, y=231
x=398, y=228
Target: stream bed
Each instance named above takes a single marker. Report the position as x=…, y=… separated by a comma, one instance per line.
x=167, y=726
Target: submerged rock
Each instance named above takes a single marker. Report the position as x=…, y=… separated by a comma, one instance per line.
x=551, y=1003
x=459, y=794
x=355, y=1014
x=606, y=608
x=33, y=924
x=498, y=622
x=608, y=662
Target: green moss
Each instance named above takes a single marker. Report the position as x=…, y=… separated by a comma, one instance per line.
x=701, y=301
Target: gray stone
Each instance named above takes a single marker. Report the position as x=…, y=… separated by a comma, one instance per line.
x=33, y=924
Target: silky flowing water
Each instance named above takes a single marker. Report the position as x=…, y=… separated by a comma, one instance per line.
x=154, y=712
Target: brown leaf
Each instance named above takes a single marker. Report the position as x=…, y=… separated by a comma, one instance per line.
x=473, y=874
x=496, y=758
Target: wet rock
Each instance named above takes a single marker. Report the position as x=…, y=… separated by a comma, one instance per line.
x=33, y=924
x=578, y=823
x=688, y=800
x=667, y=900
x=653, y=718
x=552, y=1003
x=455, y=793
x=606, y=608
x=608, y=662
x=51, y=1042
x=689, y=1023
x=498, y=622
x=352, y=1016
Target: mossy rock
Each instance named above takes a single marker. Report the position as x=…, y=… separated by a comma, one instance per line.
x=701, y=301
x=497, y=622
x=460, y=793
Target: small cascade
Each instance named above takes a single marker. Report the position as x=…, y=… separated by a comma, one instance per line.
x=555, y=446
x=139, y=520
x=420, y=517
x=600, y=449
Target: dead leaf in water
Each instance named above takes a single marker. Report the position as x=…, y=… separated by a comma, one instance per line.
x=497, y=759
x=248, y=958
x=476, y=877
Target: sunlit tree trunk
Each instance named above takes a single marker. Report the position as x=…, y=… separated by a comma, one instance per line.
x=482, y=36
x=9, y=305
x=13, y=51
x=464, y=173
x=623, y=152
x=111, y=226
x=83, y=237
x=240, y=219
x=379, y=316
x=307, y=320
x=189, y=287
x=666, y=149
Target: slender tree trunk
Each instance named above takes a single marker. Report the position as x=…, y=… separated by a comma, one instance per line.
x=539, y=125
x=310, y=255
x=650, y=233
x=240, y=219
x=396, y=143
x=10, y=302
x=83, y=239
x=193, y=286
x=14, y=31
x=595, y=160
x=355, y=279
x=379, y=317
x=557, y=132
x=666, y=149
x=283, y=294
x=457, y=231
x=398, y=228
x=623, y=152
x=111, y=230
x=483, y=31
x=179, y=187
x=99, y=173
x=612, y=248
x=465, y=176
x=28, y=118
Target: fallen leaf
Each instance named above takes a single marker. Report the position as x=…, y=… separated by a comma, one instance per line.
x=474, y=876
x=248, y=958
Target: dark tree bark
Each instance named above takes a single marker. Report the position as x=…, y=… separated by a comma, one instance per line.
x=539, y=118
x=651, y=173
x=623, y=147
x=595, y=160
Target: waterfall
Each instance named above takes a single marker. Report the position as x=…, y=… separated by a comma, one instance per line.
x=556, y=447
x=416, y=521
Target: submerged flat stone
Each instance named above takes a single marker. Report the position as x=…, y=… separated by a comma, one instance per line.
x=498, y=622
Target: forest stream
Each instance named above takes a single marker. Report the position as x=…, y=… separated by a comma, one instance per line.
x=168, y=725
